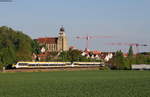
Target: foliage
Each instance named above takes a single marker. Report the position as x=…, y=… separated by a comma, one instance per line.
x=64, y=56
x=130, y=58
x=52, y=56
x=130, y=52
x=71, y=55
x=76, y=84
x=36, y=47
x=105, y=68
x=142, y=59
x=119, y=62
x=14, y=46
x=75, y=55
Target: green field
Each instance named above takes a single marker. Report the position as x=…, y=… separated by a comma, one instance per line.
x=76, y=84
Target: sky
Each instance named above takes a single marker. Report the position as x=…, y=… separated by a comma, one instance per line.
x=126, y=21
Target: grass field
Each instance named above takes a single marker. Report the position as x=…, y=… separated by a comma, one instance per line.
x=76, y=84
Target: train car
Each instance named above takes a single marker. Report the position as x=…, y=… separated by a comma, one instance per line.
x=40, y=64
x=88, y=64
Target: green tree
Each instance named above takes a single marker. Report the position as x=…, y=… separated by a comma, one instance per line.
x=36, y=47
x=14, y=46
x=140, y=59
x=64, y=56
x=119, y=62
x=130, y=52
x=130, y=58
x=74, y=55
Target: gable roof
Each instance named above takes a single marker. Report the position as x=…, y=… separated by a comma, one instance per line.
x=47, y=40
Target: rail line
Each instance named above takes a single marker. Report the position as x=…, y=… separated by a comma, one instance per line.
x=55, y=69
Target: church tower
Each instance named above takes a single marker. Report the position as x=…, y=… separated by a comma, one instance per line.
x=62, y=43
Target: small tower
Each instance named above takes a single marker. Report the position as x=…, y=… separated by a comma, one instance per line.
x=62, y=40
x=62, y=31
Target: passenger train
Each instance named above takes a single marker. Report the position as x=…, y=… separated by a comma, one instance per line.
x=55, y=64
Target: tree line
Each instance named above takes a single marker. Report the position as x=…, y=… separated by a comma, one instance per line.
x=16, y=46
x=119, y=61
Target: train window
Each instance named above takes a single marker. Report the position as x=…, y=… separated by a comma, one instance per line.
x=42, y=64
x=23, y=64
x=55, y=64
x=89, y=64
x=32, y=65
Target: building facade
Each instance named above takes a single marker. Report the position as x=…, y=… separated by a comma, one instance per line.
x=55, y=44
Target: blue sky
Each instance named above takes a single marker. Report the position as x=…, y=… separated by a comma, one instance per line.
x=124, y=20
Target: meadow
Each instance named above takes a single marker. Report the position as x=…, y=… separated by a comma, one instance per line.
x=76, y=84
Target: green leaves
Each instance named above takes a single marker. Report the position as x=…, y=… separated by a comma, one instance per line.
x=130, y=53
x=36, y=47
x=14, y=45
x=75, y=55
x=119, y=61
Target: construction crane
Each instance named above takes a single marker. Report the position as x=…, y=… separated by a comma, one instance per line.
x=87, y=38
x=136, y=45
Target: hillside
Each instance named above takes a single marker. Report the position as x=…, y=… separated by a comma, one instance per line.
x=14, y=45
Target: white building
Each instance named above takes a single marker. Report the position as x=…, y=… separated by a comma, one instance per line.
x=140, y=66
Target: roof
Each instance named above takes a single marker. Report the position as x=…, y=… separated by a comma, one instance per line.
x=47, y=40
x=104, y=54
x=96, y=52
x=43, y=55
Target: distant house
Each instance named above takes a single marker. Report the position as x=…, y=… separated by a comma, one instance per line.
x=106, y=56
x=91, y=54
x=41, y=56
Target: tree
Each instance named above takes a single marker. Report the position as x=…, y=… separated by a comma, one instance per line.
x=64, y=56
x=36, y=47
x=74, y=55
x=14, y=46
x=130, y=52
x=119, y=62
x=130, y=57
x=140, y=59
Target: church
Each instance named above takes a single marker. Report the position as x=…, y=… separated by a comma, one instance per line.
x=55, y=44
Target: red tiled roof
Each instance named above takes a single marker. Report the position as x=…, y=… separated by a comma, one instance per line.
x=125, y=54
x=72, y=47
x=93, y=52
x=47, y=40
x=43, y=55
x=96, y=52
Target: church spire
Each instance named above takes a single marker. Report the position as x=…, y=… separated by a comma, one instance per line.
x=62, y=29
x=62, y=40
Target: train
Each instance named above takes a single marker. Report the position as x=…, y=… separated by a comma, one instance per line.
x=22, y=64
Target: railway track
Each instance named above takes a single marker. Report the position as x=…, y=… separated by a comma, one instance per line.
x=55, y=69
